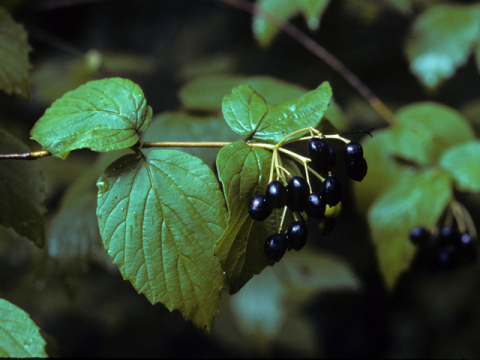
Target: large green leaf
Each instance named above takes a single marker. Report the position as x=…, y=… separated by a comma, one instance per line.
x=19, y=335
x=414, y=201
x=265, y=31
x=159, y=217
x=441, y=40
x=178, y=126
x=462, y=163
x=102, y=115
x=248, y=113
x=244, y=172
x=14, y=64
x=425, y=130
x=22, y=191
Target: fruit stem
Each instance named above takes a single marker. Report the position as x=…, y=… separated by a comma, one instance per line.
x=463, y=218
x=282, y=219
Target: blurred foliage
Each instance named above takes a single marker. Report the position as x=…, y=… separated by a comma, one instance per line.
x=83, y=306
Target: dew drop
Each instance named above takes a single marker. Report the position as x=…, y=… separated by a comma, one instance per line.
x=103, y=186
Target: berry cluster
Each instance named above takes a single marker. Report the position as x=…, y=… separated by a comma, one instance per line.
x=446, y=250
x=297, y=195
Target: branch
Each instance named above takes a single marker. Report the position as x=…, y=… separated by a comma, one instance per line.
x=26, y=156
x=321, y=53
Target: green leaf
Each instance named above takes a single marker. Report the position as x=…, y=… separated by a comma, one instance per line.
x=178, y=126
x=441, y=40
x=303, y=112
x=265, y=31
x=20, y=336
x=14, y=64
x=22, y=191
x=249, y=114
x=415, y=201
x=244, y=109
x=425, y=130
x=244, y=172
x=159, y=217
x=462, y=163
x=102, y=115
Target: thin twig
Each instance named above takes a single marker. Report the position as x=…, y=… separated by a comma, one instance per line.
x=321, y=53
x=26, y=156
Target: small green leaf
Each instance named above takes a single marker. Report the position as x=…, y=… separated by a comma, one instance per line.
x=14, y=64
x=19, y=335
x=265, y=31
x=462, y=163
x=178, y=126
x=102, y=115
x=425, y=130
x=22, y=191
x=244, y=172
x=418, y=200
x=159, y=217
x=249, y=114
x=441, y=40
x=244, y=109
x=303, y=112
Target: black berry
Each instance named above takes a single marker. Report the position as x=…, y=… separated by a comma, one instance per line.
x=326, y=225
x=331, y=190
x=467, y=248
x=445, y=257
x=356, y=169
x=315, y=207
x=352, y=151
x=332, y=158
x=276, y=194
x=297, y=191
x=275, y=246
x=448, y=235
x=318, y=151
x=420, y=236
x=297, y=235
x=259, y=208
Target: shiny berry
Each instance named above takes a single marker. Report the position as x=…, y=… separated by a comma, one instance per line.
x=318, y=151
x=331, y=190
x=259, y=208
x=276, y=194
x=352, y=151
x=297, y=191
x=315, y=207
x=297, y=235
x=467, y=248
x=326, y=225
x=420, y=236
x=356, y=169
x=275, y=246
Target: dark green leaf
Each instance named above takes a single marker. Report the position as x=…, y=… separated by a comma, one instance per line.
x=418, y=200
x=265, y=31
x=441, y=40
x=20, y=336
x=425, y=130
x=22, y=191
x=159, y=217
x=462, y=163
x=102, y=115
x=14, y=64
x=244, y=172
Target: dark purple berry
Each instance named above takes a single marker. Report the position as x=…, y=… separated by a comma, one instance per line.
x=318, y=151
x=315, y=207
x=331, y=190
x=276, y=194
x=259, y=208
x=467, y=248
x=420, y=236
x=445, y=257
x=326, y=225
x=448, y=235
x=297, y=235
x=297, y=191
x=332, y=158
x=352, y=151
x=356, y=169
x=275, y=246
